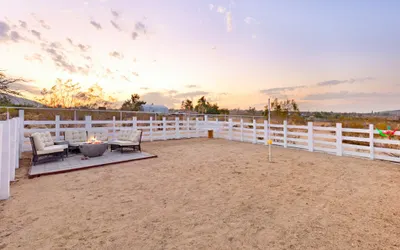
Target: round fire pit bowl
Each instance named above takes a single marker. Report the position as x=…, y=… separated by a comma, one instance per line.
x=93, y=149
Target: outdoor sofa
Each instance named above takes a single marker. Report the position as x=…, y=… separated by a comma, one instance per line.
x=43, y=148
x=127, y=139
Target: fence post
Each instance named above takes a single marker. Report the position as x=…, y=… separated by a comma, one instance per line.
x=310, y=137
x=57, y=127
x=188, y=127
x=17, y=126
x=241, y=129
x=266, y=137
x=217, y=128
x=134, y=123
x=151, y=128
x=113, y=129
x=12, y=148
x=164, y=123
x=230, y=129
x=5, y=161
x=21, y=115
x=75, y=118
x=177, y=127
x=254, y=131
x=339, y=146
x=371, y=142
x=197, y=127
x=88, y=122
x=285, y=133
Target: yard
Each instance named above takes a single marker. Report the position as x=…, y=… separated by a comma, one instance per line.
x=209, y=194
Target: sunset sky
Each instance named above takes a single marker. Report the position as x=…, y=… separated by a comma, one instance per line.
x=328, y=55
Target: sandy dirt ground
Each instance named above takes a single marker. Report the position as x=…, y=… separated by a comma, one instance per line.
x=209, y=194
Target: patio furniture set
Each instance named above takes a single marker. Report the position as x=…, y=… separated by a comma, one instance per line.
x=89, y=143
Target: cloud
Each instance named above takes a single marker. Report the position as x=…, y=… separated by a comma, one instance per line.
x=159, y=98
x=134, y=35
x=135, y=74
x=228, y=19
x=139, y=26
x=144, y=88
x=20, y=86
x=250, y=20
x=221, y=9
x=84, y=70
x=191, y=94
x=191, y=86
x=115, y=25
x=60, y=60
x=115, y=14
x=36, y=34
x=34, y=57
x=44, y=24
x=96, y=25
x=70, y=41
x=351, y=80
x=116, y=54
x=211, y=6
x=4, y=28
x=23, y=24
x=347, y=95
x=83, y=48
x=125, y=78
x=15, y=36
x=278, y=91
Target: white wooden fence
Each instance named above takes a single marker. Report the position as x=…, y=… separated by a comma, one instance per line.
x=10, y=154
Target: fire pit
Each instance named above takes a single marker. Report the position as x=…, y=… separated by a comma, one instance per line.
x=93, y=148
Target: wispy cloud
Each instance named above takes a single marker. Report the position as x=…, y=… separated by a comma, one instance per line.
x=23, y=24
x=4, y=28
x=347, y=95
x=115, y=25
x=211, y=6
x=250, y=20
x=60, y=60
x=278, y=91
x=351, y=80
x=135, y=74
x=191, y=94
x=96, y=25
x=134, y=35
x=116, y=54
x=221, y=9
x=44, y=24
x=34, y=57
x=115, y=13
x=139, y=26
x=30, y=88
x=36, y=33
x=191, y=86
x=80, y=46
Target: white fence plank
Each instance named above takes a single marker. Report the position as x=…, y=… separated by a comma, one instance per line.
x=5, y=161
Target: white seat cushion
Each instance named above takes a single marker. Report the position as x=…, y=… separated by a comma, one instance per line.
x=135, y=136
x=123, y=143
x=52, y=149
x=124, y=135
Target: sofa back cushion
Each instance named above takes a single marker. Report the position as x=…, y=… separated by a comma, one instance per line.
x=135, y=136
x=101, y=135
x=124, y=135
x=42, y=140
x=75, y=136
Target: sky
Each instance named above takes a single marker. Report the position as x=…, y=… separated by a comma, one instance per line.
x=334, y=55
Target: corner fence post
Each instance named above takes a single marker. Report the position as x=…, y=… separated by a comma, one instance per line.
x=371, y=142
x=285, y=130
x=339, y=146
x=57, y=127
x=151, y=128
x=241, y=129
x=254, y=131
x=21, y=115
x=310, y=137
x=177, y=127
x=164, y=123
x=230, y=129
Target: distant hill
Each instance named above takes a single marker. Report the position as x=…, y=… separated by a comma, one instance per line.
x=17, y=100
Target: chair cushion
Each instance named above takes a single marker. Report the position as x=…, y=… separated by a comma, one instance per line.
x=135, y=136
x=73, y=136
x=42, y=140
x=101, y=135
x=124, y=135
x=52, y=149
x=123, y=143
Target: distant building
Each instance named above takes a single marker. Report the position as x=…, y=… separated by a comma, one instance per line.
x=160, y=109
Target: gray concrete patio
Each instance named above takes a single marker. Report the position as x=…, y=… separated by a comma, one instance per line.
x=75, y=162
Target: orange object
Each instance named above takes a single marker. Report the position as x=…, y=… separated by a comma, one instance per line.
x=210, y=134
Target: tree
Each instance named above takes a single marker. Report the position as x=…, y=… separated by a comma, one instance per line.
x=133, y=104
x=283, y=108
x=201, y=106
x=187, y=105
x=5, y=83
x=251, y=111
x=224, y=111
x=66, y=94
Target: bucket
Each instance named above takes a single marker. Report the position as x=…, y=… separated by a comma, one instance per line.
x=210, y=133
